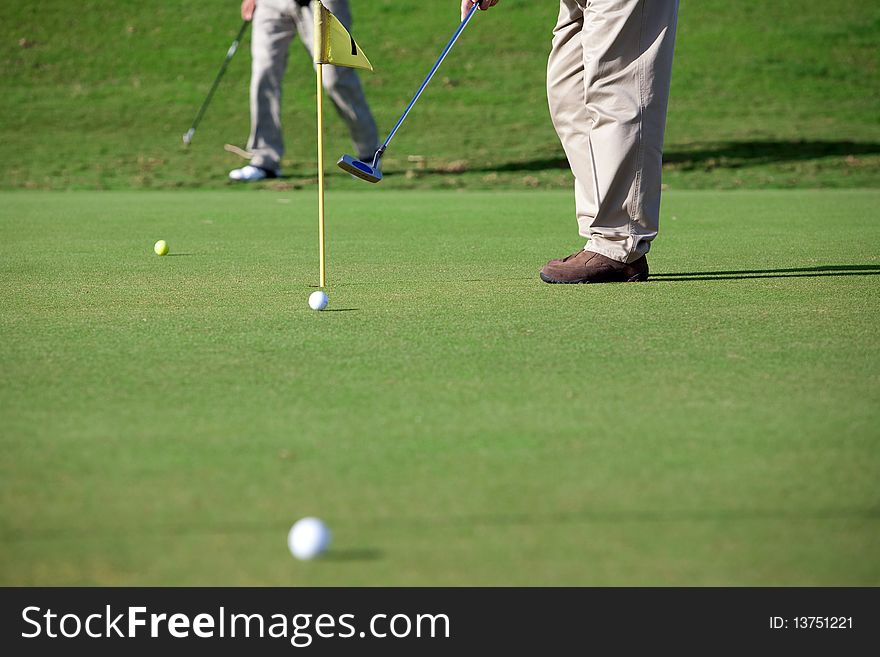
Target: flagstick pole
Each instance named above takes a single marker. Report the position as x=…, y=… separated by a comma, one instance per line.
x=320, y=76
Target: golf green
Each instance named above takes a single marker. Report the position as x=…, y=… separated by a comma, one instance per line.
x=453, y=419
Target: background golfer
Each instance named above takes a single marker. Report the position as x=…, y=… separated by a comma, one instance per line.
x=275, y=23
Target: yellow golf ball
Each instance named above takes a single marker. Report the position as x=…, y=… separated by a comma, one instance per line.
x=161, y=248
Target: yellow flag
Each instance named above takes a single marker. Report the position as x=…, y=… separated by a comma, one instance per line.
x=333, y=43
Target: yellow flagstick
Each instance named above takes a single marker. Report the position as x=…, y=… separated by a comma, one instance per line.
x=320, y=75
x=333, y=45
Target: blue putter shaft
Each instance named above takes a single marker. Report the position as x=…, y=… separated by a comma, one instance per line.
x=434, y=70
x=371, y=172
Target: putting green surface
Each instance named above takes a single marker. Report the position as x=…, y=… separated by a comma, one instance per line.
x=454, y=420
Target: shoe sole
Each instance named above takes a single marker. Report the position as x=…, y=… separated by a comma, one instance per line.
x=635, y=279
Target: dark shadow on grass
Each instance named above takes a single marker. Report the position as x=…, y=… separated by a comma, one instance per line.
x=340, y=310
x=705, y=156
x=795, y=272
x=731, y=275
x=737, y=154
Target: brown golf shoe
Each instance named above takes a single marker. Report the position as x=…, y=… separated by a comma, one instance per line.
x=589, y=267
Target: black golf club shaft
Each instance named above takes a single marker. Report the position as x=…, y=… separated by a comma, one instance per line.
x=230, y=53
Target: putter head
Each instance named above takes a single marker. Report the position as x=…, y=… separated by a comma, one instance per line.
x=188, y=137
x=360, y=169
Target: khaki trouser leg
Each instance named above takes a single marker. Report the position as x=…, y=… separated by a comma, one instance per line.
x=272, y=32
x=275, y=24
x=608, y=86
x=342, y=84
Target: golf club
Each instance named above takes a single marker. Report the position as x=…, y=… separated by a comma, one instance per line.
x=371, y=172
x=188, y=137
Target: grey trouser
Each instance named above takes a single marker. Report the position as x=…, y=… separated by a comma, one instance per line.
x=275, y=24
x=608, y=87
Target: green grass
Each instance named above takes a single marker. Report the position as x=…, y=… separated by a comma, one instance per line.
x=166, y=419
x=765, y=95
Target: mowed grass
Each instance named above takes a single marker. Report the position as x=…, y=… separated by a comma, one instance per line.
x=455, y=421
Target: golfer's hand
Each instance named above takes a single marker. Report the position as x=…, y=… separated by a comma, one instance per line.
x=484, y=5
x=247, y=9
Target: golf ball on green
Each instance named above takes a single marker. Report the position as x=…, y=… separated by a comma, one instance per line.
x=161, y=248
x=308, y=538
x=318, y=300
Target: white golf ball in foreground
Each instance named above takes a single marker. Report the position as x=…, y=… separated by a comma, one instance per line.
x=161, y=248
x=308, y=538
x=318, y=300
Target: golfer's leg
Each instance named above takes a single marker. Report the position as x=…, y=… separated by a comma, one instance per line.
x=568, y=109
x=343, y=84
x=273, y=30
x=627, y=50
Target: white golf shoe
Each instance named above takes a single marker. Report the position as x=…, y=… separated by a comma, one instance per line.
x=251, y=173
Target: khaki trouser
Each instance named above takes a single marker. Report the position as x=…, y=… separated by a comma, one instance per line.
x=608, y=87
x=274, y=26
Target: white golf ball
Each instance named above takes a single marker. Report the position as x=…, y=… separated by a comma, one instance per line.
x=308, y=538
x=318, y=300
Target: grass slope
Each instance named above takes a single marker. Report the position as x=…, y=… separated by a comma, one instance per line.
x=779, y=94
x=455, y=420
